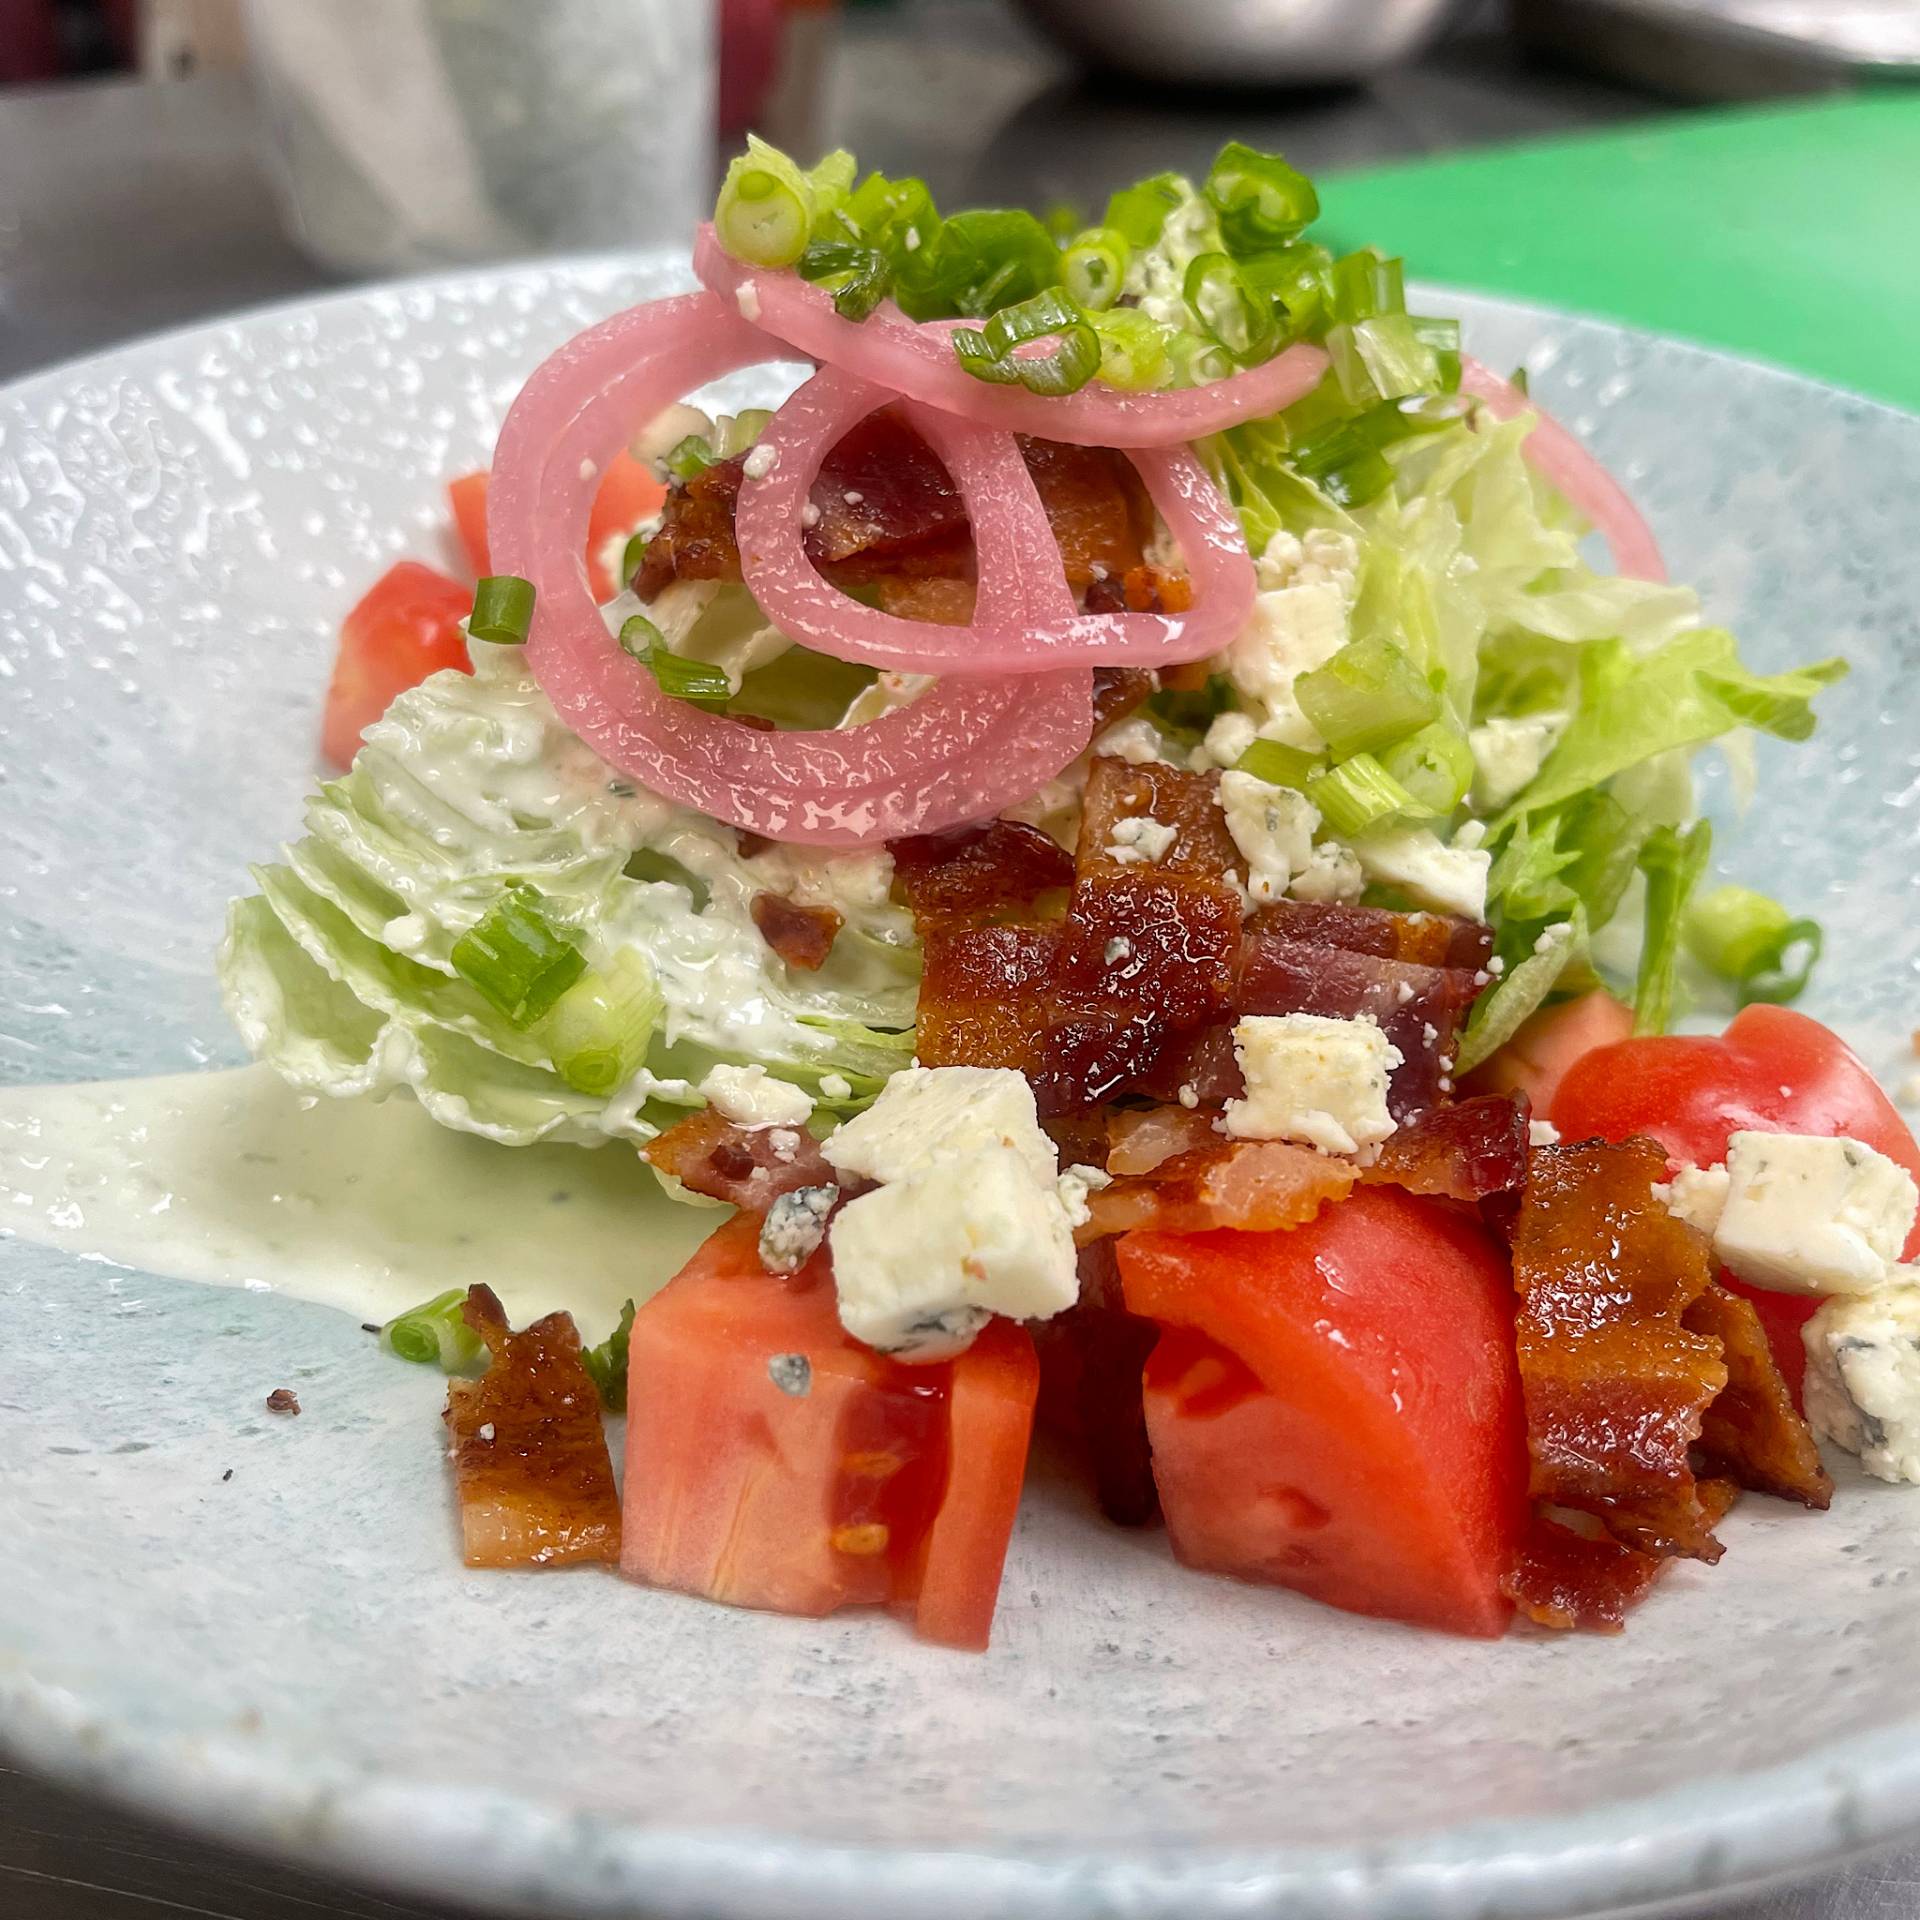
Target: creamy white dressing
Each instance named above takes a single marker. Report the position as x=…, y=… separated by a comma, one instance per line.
x=234, y=1179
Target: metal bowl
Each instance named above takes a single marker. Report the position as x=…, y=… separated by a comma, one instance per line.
x=1241, y=43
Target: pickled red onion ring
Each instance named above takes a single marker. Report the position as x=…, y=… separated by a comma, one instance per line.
x=967, y=748
x=916, y=359
x=1025, y=619
x=1563, y=462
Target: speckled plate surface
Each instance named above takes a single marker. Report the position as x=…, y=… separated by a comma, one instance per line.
x=295, y=1657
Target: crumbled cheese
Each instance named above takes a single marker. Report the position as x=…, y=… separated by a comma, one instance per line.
x=752, y=1097
x=809, y=515
x=665, y=431
x=1136, y=740
x=1332, y=874
x=835, y=1086
x=1117, y=949
x=1289, y=631
x=1189, y=1095
x=920, y=1265
x=1228, y=737
x=853, y=496
x=1697, y=1195
x=795, y=1225
x=1863, y=1379
x=791, y=1373
x=1140, y=837
x=760, y=461
x=1432, y=874
x=785, y=1143
x=1073, y=1186
x=1470, y=833
x=1507, y=753
x=927, y=1115
x=1805, y=1214
x=746, y=296
x=1272, y=826
x=1542, y=1133
x=484, y=1432
x=1311, y=1079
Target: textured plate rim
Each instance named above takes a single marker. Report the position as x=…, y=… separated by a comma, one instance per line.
x=1719, y=1834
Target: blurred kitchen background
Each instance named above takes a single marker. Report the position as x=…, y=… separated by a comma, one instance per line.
x=1744, y=171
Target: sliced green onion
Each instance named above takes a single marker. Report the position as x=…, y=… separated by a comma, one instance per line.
x=650, y=866
x=1280, y=766
x=599, y=1030
x=689, y=458
x=1140, y=211
x=1229, y=310
x=765, y=210
x=502, y=609
x=1435, y=765
x=1135, y=349
x=897, y=216
x=698, y=682
x=1382, y=358
x=1746, y=938
x=633, y=555
x=1190, y=711
x=989, y=353
x=1198, y=361
x=857, y=276
x=1367, y=696
x=1673, y=863
x=1359, y=793
x=738, y=431
x=1261, y=201
x=1063, y=220
x=1344, y=464
x=606, y=1364
x=435, y=1334
x=975, y=264
x=1297, y=277
x=1093, y=267
x=1366, y=283
x=518, y=958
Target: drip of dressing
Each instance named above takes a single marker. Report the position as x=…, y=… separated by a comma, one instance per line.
x=234, y=1179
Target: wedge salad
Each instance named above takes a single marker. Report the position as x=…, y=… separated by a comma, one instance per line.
x=1123, y=843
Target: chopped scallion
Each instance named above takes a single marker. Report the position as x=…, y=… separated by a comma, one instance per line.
x=435, y=1334
x=856, y=276
x=502, y=609
x=1135, y=351
x=1367, y=696
x=1359, y=793
x=599, y=1030
x=690, y=457
x=518, y=958
x=1228, y=310
x=1366, y=283
x=1281, y=766
x=697, y=681
x=991, y=352
x=1435, y=765
x=1140, y=211
x=1747, y=938
x=1260, y=200
x=765, y=211
x=633, y=555
x=1093, y=267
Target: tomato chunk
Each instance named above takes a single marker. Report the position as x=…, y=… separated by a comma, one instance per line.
x=1536, y=1059
x=468, y=498
x=1772, y=1071
x=1336, y=1408
x=407, y=627
x=628, y=495
x=774, y=1462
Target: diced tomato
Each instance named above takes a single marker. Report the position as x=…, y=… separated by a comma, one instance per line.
x=468, y=498
x=1536, y=1059
x=628, y=495
x=774, y=1462
x=1772, y=1071
x=406, y=628
x=1336, y=1408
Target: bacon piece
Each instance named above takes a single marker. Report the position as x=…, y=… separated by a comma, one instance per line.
x=1468, y=1151
x=801, y=936
x=1118, y=790
x=1117, y=690
x=1099, y=511
x=1140, y=1139
x=938, y=598
x=1143, y=589
x=974, y=870
x=1753, y=1432
x=1580, y=1582
x=529, y=1450
x=1253, y=1186
x=984, y=995
x=1615, y=1385
x=1423, y=939
x=749, y=1167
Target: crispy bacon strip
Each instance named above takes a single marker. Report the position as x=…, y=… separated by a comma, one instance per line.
x=801, y=936
x=1468, y=1151
x=1139, y=1139
x=1141, y=589
x=1253, y=1186
x=1421, y=939
x=1118, y=690
x=530, y=1460
x=1753, y=1432
x=975, y=871
x=1615, y=1385
x=749, y=1167
x=984, y=995
x=1586, y=1582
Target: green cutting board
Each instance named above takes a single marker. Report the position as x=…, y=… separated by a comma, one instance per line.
x=1789, y=233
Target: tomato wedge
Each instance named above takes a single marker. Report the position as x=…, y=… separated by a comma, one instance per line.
x=1538, y=1056
x=1772, y=1071
x=468, y=498
x=774, y=1462
x=1336, y=1408
x=628, y=495
x=407, y=627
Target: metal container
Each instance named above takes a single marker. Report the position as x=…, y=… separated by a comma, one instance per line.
x=1242, y=43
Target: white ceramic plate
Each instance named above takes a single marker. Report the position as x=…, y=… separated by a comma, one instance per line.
x=294, y=1657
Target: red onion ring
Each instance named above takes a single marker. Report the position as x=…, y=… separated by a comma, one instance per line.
x=1025, y=620
x=1564, y=463
x=966, y=749
x=916, y=359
